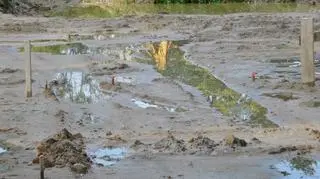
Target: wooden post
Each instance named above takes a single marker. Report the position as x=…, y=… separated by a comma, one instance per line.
x=41, y=162
x=28, y=89
x=306, y=55
x=69, y=38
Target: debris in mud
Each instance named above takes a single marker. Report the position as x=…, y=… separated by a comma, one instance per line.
x=314, y=132
x=107, y=156
x=201, y=144
x=143, y=104
x=64, y=149
x=233, y=141
x=285, y=96
x=2, y=150
x=301, y=149
x=170, y=144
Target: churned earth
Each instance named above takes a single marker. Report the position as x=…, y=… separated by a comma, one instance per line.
x=154, y=123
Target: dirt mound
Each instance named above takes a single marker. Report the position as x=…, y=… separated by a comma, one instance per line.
x=64, y=149
x=170, y=144
x=314, y=132
x=233, y=141
x=199, y=145
x=202, y=144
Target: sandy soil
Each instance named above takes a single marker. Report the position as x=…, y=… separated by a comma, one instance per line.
x=230, y=46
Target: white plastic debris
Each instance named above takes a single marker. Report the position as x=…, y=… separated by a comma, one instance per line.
x=2, y=150
x=143, y=105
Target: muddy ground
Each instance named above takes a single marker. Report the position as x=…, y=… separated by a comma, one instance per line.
x=229, y=46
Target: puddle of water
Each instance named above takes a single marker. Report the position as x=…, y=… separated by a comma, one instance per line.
x=78, y=87
x=170, y=61
x=2, y=150
x=108, y=156
x=299, y=167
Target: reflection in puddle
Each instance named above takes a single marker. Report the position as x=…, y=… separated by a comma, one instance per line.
x=170, y=61
x=2, y=150
x=299, y=167
x=159, y=52
x=77, y=87
x=107, y=156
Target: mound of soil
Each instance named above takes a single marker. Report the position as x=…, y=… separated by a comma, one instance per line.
x=202, y=145
x=233, y=141
x=64, y=149
x=170, y=144
x=199, y=145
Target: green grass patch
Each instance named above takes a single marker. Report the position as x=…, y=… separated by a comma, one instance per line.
x=104, y=11
x=226, y=99
x=55, y=49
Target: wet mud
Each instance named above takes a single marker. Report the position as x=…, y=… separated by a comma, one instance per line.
x=124, y=83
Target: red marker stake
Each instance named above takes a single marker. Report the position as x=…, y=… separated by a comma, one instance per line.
x=254, y=76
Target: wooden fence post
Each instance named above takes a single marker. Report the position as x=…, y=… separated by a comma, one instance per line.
x=28, y=80
x=306, y=54
x=42, y=167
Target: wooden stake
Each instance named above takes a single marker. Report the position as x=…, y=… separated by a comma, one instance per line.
x=41, y=161
x=306, y=55
x=28, y=89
